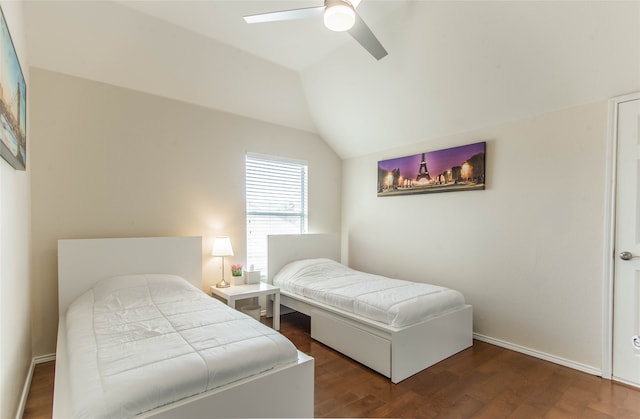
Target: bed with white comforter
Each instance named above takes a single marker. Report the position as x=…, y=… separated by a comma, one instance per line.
x=134, y=343
x=394, y=327
x=394, y=302
x=138, y=342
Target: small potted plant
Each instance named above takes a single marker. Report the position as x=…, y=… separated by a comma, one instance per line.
x=236, y=273
x=236, y=269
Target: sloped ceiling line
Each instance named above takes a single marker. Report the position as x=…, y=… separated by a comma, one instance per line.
x=452, y=66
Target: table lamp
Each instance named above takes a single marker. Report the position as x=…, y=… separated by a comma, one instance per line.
x=222, y=247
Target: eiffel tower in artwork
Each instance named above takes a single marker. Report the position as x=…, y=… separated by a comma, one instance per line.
x=423, y=173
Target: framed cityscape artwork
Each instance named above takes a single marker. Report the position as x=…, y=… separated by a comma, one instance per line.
x=13, y=102
x=448, y=170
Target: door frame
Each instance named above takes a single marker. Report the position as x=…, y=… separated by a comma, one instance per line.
x=610, y=233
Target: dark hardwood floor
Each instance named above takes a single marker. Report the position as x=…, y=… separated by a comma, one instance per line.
x=484, y=381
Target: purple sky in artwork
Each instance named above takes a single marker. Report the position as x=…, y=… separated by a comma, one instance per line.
x=437, y=161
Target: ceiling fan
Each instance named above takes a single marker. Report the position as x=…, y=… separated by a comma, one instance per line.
x=339, y=15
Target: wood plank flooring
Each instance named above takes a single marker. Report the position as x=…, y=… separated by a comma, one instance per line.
x=484, y=381
x=40, y=398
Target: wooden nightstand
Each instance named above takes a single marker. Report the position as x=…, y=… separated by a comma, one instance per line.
x=239, y=292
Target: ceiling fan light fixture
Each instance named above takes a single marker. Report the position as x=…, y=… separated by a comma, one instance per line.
x=339, y=16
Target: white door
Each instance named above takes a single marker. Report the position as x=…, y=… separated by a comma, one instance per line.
x=626, y=310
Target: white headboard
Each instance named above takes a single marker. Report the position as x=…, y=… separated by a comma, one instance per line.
x=286, y=248
x=83, y=262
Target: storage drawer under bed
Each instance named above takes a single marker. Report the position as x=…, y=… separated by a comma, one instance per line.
x=366, y=348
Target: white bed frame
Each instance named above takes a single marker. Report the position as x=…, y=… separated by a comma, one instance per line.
x=397, y=353
x=284, y=392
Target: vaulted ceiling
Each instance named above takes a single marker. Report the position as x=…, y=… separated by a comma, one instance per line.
x=452, y=66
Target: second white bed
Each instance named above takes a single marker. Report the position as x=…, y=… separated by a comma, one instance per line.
x=394, y=302
x=373, y=327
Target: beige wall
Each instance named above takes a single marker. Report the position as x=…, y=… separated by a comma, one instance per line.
x=15, y=301
x=113, y=162
x=526, y=252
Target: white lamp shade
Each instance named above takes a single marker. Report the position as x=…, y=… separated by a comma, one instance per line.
x=222, y=247
x=339, y=17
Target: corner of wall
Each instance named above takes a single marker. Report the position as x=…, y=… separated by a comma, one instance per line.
x=15, y=239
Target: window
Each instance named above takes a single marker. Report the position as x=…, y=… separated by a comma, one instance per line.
x=276, y=203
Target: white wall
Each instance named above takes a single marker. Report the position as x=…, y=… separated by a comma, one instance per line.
x=454, y=66
x=526, y=252
x=112, y=162
x=15, y=288
x=111, y=43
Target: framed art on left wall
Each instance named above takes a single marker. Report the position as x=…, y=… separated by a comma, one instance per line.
x=13, y=102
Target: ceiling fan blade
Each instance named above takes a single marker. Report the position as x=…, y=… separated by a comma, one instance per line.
x=285, y=15
x=367, y=39
x=355, y=3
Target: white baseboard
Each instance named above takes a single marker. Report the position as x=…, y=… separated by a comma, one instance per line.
x=44, y=358
x=25, y=390
x=625, y=382
x=541, y=355
x=27, y=383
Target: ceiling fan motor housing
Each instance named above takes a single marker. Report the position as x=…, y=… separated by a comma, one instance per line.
x=339, y=15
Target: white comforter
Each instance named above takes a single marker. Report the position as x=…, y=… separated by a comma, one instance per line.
x=393, y=302
x=140, y=342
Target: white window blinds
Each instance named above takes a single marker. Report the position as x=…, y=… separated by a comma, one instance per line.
x=276, y=203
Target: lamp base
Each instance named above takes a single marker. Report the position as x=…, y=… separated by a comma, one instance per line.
x=223, y=284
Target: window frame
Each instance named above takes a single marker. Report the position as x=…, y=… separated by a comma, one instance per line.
x=301, y=214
